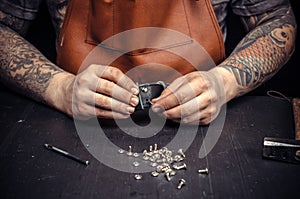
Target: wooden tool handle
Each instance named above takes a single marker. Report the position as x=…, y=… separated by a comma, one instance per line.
x=296, y=110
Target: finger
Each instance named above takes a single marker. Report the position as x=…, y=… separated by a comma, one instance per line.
x=190, y=107
x=101, y=113
x=183, y=94
x=117, y=76
x=108, y=103
x=86, y=112
x=170, y=89
x=111, y=89
x=204, y=116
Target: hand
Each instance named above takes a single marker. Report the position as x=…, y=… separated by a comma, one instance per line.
x=100, y=91
x=197, y=97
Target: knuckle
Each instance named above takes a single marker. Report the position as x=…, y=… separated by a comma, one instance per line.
x=115, y=72
x=212, y=111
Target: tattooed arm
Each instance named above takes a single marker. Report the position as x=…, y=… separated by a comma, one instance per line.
x=197, y=97
x=264, y=50
x=24, y=69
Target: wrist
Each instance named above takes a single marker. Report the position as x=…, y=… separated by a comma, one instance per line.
x=229, y=82
x=59, y=92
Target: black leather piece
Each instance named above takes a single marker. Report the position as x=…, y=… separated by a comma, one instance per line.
x=148, y=91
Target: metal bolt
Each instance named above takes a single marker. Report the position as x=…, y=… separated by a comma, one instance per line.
x=180, y=151
x=203, y=171
x=181, y=183
x=178, y=167
x=136, y=164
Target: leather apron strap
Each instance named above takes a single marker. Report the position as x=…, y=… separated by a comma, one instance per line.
x=148, y=40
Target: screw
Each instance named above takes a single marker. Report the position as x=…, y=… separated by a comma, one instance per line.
x=181, y=183
x=178, y=167
x=180, y=151
x=203, y=171
x=150, y=148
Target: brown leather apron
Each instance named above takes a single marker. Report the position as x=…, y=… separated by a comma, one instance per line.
x=150, y=40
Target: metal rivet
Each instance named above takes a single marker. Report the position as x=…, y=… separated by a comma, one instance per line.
x=181, y=183
x=167, y=174
x=150, y=148
x=155, y=147
x=136, y=164
x=153, y=164
x=138, y=176
x=136, y=155
x=129, y=151
x=180, y=151
x=178, y=167
x=203, y=171
x=121, y=151
x=154, y=173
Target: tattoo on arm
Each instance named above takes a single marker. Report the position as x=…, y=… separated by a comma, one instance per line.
x=263, y=51
x=23, y=67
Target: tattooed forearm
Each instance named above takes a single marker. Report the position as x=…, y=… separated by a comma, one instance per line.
x=264, y=50
x=23, y=67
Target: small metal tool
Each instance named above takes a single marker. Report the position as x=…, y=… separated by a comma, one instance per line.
x=286, y=150
x=66, y=154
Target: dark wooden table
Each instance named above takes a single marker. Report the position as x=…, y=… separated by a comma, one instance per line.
x=236, y=167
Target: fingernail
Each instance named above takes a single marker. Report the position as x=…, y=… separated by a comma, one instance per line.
x=135, y=91
x=134, y=101
x=154, y=100
x=157, y=109
x=130, y=109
